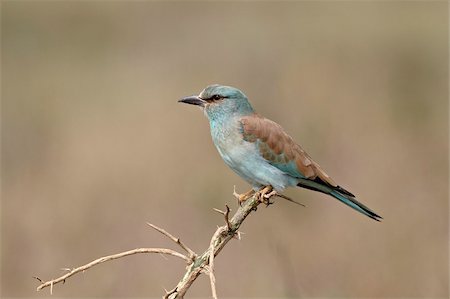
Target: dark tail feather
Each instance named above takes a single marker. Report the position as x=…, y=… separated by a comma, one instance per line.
x=353, y=203
x=345, y=197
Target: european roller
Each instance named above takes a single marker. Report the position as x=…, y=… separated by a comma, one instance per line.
x=261, y=152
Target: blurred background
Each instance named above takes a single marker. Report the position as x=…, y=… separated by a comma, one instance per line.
x=94, y=145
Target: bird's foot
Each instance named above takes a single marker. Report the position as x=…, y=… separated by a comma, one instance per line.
x=265, y=194
x=244, y=196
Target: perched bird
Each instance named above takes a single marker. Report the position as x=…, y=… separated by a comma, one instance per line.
x=259, y=150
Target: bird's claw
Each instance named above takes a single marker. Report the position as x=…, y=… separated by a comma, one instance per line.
x=265, y=194
x=242, y=197
x=269, y=195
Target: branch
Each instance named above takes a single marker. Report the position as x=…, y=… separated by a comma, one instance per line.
x=220, y=238
x=191, y=253
x=225, y=214
x=196, y=264
x=105, y=259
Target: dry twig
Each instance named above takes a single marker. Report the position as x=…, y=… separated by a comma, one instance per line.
x=226, y=215
x=191, y=253
x=83, y=268
x=220, y=238
x=197, y=264
x=221, y=230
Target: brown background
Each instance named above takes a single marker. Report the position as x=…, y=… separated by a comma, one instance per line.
x=94, y=144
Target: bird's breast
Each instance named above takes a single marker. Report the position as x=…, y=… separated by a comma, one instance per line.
x=230, y=143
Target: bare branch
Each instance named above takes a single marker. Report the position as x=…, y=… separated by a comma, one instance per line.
x=191, y=253
x=108, y=258
x=212, y=280
x=225, y=214
x=220, y=238
x=214, y=240
x=197, y=264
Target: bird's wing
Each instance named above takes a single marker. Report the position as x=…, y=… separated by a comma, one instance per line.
x=280, y=150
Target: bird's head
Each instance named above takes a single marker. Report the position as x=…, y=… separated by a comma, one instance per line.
x=220, y=101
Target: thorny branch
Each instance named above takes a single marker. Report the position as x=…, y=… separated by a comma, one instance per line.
x=106, y=259
x=191, y=253
x=220, y=238
x=197, y=264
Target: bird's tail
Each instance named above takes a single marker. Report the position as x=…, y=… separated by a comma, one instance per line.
x=354, y=204
x=340, y=194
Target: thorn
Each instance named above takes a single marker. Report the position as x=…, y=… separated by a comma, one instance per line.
x=168, y=293
x=238, y=196
x=237, y=235
x=205, y=270
x=225, y=213
x=219, y=211
x=40, y=280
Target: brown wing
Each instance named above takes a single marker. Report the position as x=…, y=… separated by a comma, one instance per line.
x=280, y=149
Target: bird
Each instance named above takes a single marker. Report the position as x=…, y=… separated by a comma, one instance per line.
x=261, y=152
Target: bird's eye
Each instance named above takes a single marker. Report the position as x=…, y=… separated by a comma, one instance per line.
x=216, y=97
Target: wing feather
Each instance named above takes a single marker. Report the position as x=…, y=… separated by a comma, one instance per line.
x=279, y=149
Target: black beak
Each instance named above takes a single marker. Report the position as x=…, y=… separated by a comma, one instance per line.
x=193, y=100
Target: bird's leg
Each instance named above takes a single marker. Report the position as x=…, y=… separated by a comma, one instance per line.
x=265, y=194
x=244, y=196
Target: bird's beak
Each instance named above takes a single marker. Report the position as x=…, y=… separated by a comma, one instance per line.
x=193, y=100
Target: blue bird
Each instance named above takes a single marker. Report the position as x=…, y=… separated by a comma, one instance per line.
x=259, y=150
